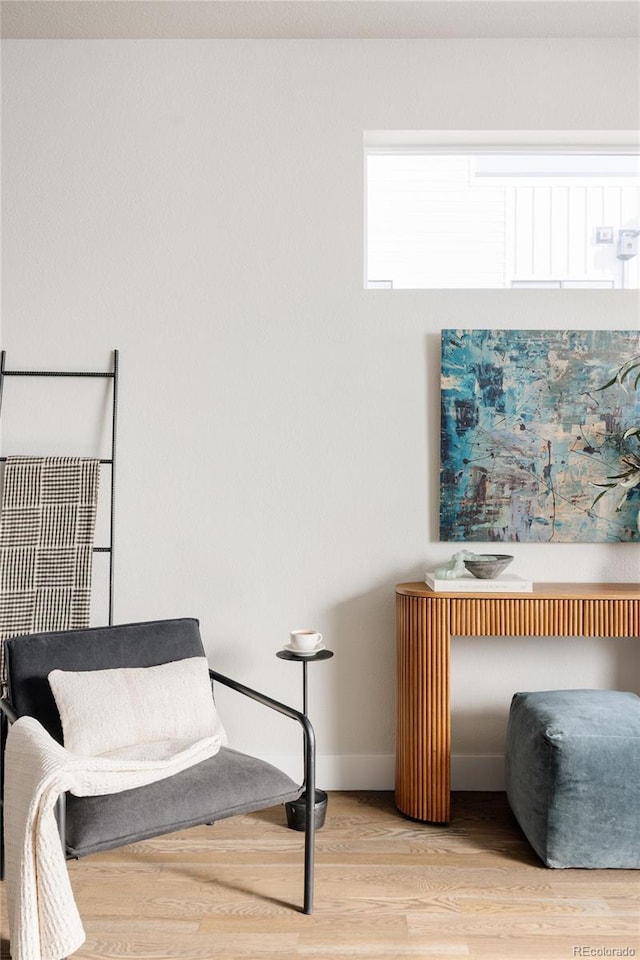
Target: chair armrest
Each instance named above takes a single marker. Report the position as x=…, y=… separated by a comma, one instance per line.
x=266, y=701
x=269, y=702
x=309, y=785
x=7, y=708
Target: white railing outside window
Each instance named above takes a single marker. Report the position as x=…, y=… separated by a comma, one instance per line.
x=502, y=218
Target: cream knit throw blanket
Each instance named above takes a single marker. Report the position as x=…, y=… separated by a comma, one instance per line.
x=43, y=918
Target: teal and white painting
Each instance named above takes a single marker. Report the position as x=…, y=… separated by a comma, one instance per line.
x=527, y=434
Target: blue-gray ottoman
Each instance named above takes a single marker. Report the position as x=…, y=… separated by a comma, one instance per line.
x=573, y=775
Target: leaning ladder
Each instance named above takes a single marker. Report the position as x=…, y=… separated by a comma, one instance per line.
x=113, y=376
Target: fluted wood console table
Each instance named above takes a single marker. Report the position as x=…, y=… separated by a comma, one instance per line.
x=425, y=623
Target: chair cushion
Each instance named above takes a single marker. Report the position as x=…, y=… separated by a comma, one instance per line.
x=105, y=710
x=30, y=659
x=227, y=784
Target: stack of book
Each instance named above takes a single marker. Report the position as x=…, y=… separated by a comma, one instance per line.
x=505, y=583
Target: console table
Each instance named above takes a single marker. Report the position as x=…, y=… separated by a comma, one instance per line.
x=425, y=623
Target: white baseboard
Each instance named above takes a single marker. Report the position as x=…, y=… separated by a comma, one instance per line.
x=376, y=771
x=477, y=772
x=356, y=772
x=344, y=771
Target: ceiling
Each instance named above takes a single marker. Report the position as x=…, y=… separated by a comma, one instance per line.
x=318, y=19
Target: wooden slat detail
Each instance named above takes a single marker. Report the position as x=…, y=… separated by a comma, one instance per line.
x=612, y=618
x=501, y=616
x=423, y=710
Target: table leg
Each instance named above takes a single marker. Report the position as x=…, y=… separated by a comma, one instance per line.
x=423, y=742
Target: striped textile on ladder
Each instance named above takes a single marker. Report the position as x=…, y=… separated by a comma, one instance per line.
x=47, y=525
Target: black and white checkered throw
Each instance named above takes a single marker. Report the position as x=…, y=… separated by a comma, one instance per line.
x=47, y=526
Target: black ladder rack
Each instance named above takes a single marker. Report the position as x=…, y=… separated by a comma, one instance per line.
x=110, y=375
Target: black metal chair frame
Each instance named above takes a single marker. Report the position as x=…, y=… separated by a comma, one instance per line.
x=8, y=715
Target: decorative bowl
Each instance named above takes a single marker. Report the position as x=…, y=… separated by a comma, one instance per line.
x=489, y=565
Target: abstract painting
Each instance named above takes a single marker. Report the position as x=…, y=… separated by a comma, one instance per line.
x=527, y=433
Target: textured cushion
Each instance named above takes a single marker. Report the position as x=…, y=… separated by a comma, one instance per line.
x=30, y=659
x=106, y=710
x=573, y=775
x=223, y=786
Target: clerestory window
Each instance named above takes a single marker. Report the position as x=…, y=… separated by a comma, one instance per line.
x=494, y=216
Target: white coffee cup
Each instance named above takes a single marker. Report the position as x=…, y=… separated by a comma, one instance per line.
x=304, y=641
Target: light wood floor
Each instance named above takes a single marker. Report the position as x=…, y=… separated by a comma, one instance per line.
x=386, y=887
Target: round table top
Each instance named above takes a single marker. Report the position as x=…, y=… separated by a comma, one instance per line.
x=304, y=657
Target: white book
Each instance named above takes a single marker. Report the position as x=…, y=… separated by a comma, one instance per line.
x=506, y=583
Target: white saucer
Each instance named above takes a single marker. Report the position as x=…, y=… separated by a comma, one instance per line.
x=304, y=653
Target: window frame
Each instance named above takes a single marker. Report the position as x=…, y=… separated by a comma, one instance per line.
x=467, y=142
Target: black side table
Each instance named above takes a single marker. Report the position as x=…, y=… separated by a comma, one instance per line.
x=296, y=817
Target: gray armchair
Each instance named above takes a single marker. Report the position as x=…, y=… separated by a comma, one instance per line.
x=228, y=783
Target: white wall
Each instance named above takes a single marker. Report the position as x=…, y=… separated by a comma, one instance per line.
x=199, y=205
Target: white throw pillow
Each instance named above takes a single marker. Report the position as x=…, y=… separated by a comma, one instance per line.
x=106, y=710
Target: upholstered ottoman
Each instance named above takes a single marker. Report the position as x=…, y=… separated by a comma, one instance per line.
x=573, y=775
